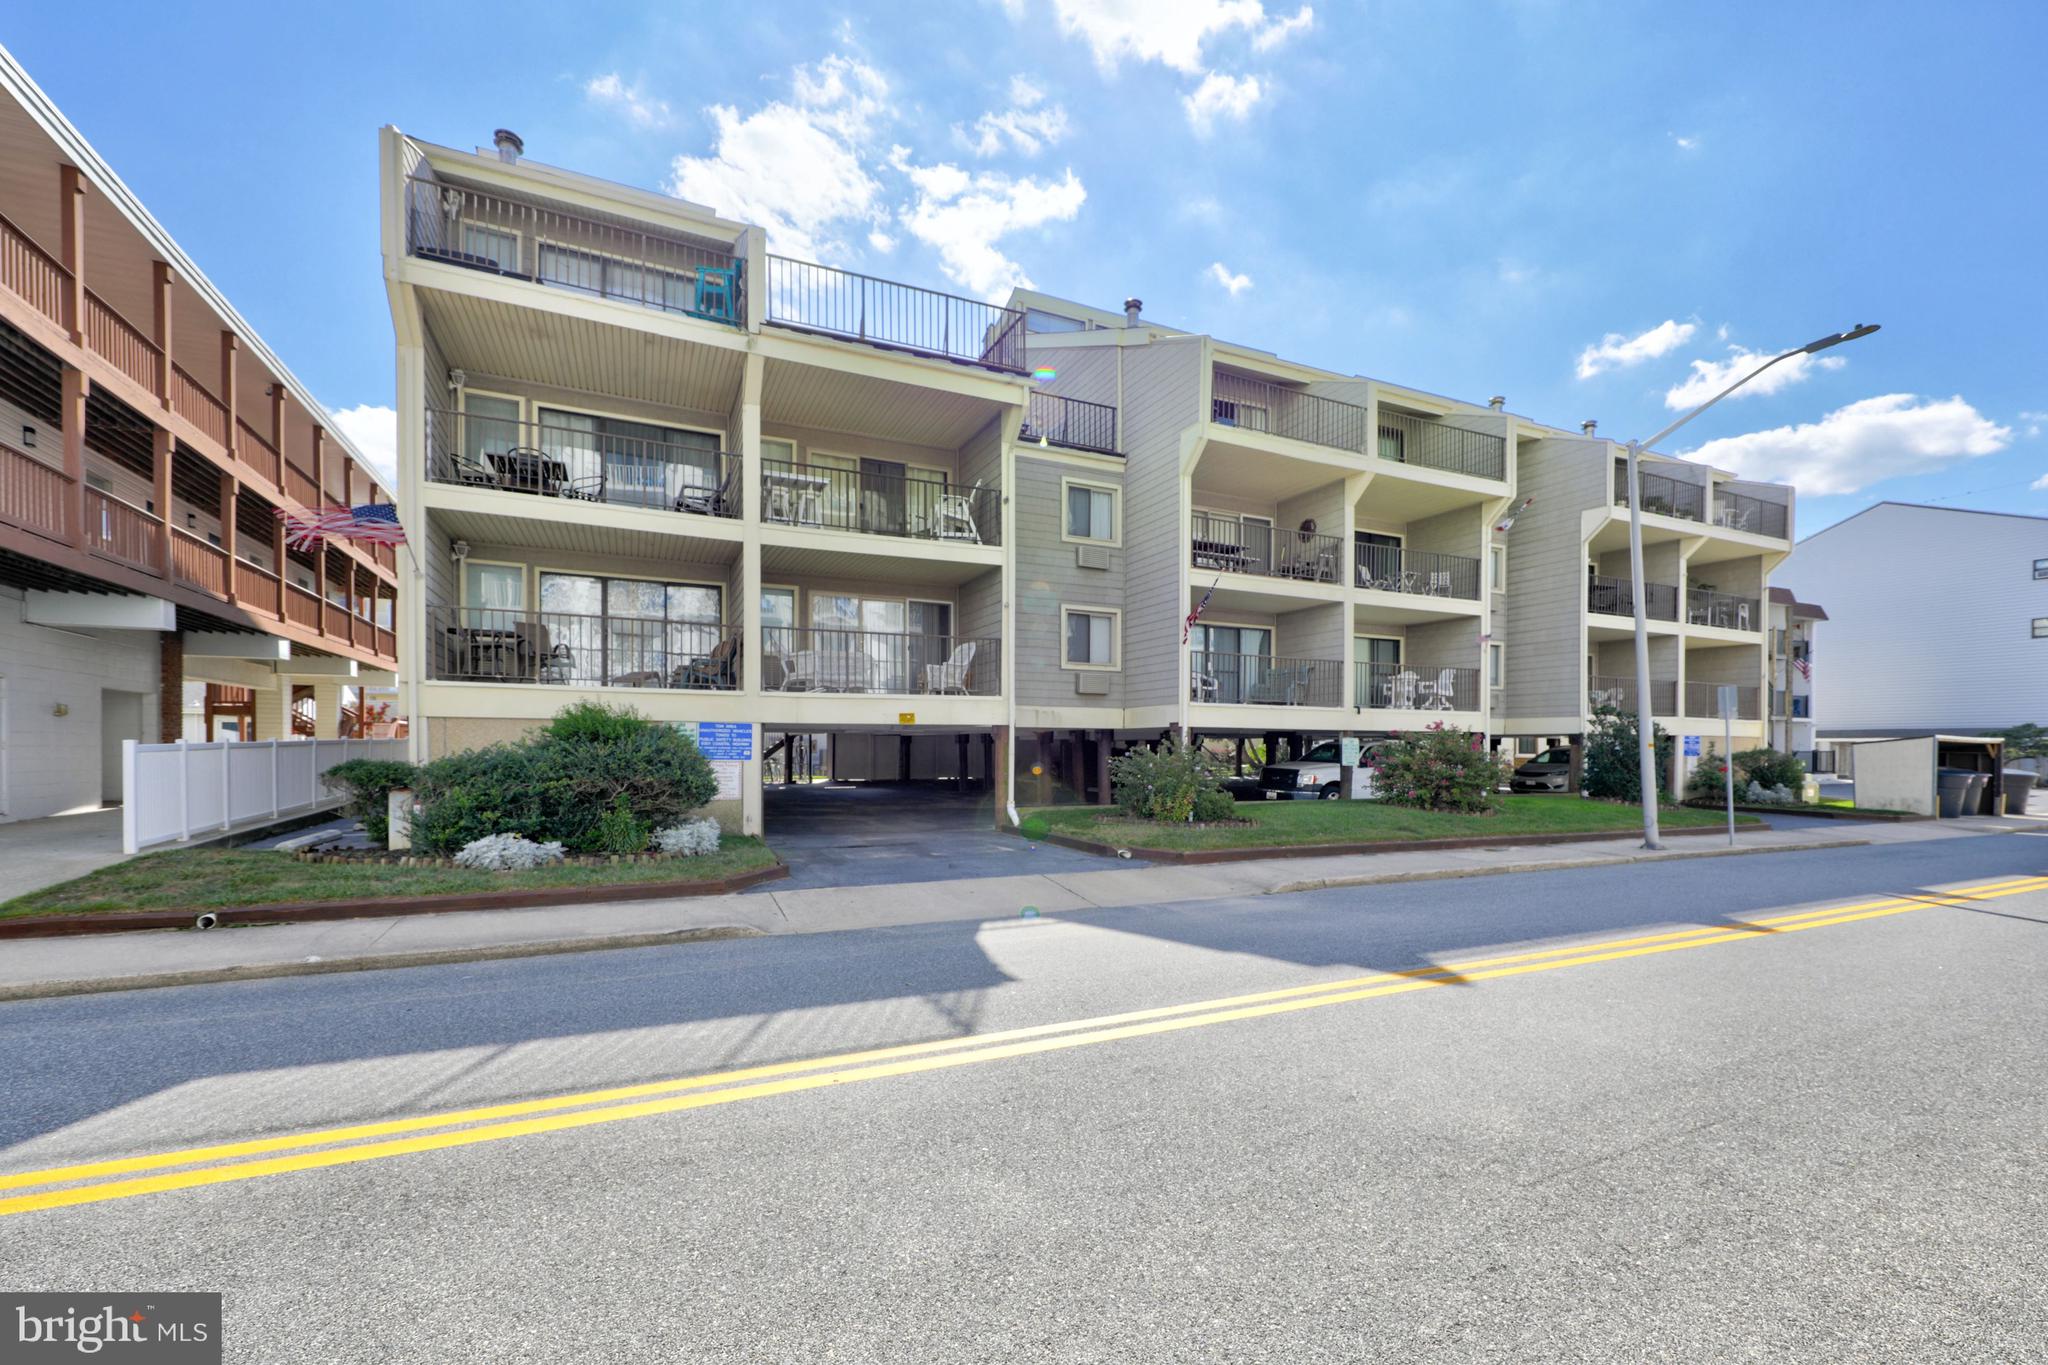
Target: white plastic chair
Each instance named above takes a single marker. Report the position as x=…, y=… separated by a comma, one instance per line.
x=1401, y=689
x=953, y=519
x=950, y=676
x=1439, y=695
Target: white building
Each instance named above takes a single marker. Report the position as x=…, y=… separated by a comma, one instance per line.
x=1937, y=620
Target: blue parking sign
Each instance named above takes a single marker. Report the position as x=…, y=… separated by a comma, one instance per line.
x=1692, y=746
x=725, y=739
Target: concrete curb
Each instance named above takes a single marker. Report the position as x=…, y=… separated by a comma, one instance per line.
x=1361, y=848
x=433, y=957
x=1558, y=865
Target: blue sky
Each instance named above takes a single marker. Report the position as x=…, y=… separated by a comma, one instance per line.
x=1591, y=208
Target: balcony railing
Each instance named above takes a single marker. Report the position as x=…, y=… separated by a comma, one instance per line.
x=1263, y=680
x=1663, y=495
x=32, y=272
x=1620, y=693
x=256, y=587
x=1740, y=512
x=1237, y=400
x=1616, y=597
x=301, y=606
x=1227, y=544
x=32, y=494
x=879, y=504
x=114, y=339
x=198, y=564
x=1417, y=687
x=1393, y=568
x=671, y=273
x=1705, y=607
x=127, y=535
x=491, y=644
x=197, y=406
x=561, y=462
x=256, y=451
x=299, y=486
x=835, y=659
x=1702, y=699
x=808, y=297
x=1432, y=444
x=1072, y=422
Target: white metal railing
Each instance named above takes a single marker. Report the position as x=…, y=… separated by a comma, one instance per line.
x=171, y=792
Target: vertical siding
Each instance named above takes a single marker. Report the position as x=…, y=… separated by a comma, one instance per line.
x=1049, y=574
x=1542, y=625
x=1162, y=399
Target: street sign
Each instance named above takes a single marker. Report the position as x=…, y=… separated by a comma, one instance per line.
x=1725, y=695
x=1692, y=746
x=727, y=772
x=1347, y=751
x=725, y=739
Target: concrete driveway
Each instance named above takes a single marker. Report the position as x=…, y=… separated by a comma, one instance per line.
x=39, y=853
x=854, y=835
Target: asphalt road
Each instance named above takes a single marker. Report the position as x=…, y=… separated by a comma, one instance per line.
x=1813, y=1143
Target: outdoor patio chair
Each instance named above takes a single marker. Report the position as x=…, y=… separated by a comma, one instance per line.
x=1201, y=687
x=714, y=292
x=469, y=471
x=953, y=518
x=950, y=676
x=1401, y=689
x=714, y=671
x=1440, y=583
x=720, y=500
x=1279, y=687
x=799, y=670
x=1440, y=695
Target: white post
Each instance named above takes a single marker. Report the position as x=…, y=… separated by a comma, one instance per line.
x=313, y=775
x=184, y=790
x=227, y=797
x=131, y=796
x=1646, y=724
x=273, y=779
x=1728, y=754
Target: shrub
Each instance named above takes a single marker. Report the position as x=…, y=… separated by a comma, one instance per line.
x=1162, y=784
x=507, y=853
x=1439, y=769
x=588, y=781
x=1771, y=768
x=1613, y=755
x=1213, y=806
x=1703, y=786
x=690, y=839
x=366, y=785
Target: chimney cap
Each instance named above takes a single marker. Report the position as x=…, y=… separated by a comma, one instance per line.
x=1497, y=402
x=1589, y=425
x=1132, y=308
x=508, y=143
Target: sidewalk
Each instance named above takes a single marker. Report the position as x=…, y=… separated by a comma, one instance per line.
x=32, y=968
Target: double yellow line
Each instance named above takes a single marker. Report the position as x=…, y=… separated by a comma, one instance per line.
x=122, y=1178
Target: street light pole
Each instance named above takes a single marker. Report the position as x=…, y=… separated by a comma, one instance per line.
x=1646, y=728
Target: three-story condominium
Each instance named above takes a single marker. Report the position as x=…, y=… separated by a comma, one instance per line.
x=980, y=546
x=147, y=436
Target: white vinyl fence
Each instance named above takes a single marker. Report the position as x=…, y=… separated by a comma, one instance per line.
x=172, y=792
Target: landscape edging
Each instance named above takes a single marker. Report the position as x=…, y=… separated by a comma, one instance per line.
x=1240, y=855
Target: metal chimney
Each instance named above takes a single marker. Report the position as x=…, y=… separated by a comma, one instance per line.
x=1132, y=307
x=1497, y=402
x=1588, y=425
x=508, y=144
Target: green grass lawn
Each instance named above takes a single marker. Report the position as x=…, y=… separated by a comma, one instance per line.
x=206, y=878
x=1276, y=823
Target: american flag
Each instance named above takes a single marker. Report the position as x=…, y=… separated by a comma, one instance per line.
x=1805, y=669
x=1187, y=627
x=372, y=521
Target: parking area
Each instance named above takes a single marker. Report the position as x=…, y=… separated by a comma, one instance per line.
x=865, y=834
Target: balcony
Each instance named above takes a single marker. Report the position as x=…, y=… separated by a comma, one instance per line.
x=1662, y=495
x=32, y=273
x=1705, y=607
x=1070, y=422
x=827, y=301
x=127, y=535
x=1620, y=693
x=32, y=494
x=1740, y=512
x=1393, y=568
x=561, y=462
x=1433, y=445
x=500, y=645
x=1254, y=405
x=1233, y=546
x=879, y=504
x=1263, y=680
x=1617, y=597
x=1701, y=700
x=1417, y=687
x=878, y=662
x=670, y=272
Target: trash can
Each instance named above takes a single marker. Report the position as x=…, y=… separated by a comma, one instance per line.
x=2019, y=783
x=1953, y=790
x=1973, y=804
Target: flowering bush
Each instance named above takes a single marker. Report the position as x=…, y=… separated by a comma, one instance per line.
x=507, y=853
x=1164, y=783
x=1439, y=769
x=1614, y=770
x=691, y=839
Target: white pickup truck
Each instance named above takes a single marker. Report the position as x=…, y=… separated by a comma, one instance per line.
x=1318, y=774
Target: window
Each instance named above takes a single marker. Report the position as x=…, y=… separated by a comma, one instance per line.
x=607, y=277
x=631, y=462
x=1393, y=444
x=629, y=632
x=1091, y=511
x=2041, y=568
x=501, y=249
x=1526, y=745
x=1037, y=320
x=1496, y=665
x=1497, y=561
x=2041, y=627
x=1090, y=637
x=490, y=426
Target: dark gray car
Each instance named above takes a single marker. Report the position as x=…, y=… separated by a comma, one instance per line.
x=1549, y=771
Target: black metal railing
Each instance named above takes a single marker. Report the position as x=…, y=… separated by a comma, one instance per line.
x=1237, y=400
x=880, y=504
x=835, y=659
x=905, y=317
x=1702, y=699
x=553, y=461
x=1393, y=568
x=1616, y=597
x=458, y=225
x=1417, y=687
x=516, y=645
x=1420, y=441
x=1662, y=494
x=1620, y=693
x=1705, y=607
x=1819, y=762
x=1071, y=422
x=1234, y=546
x=1263, y=680
x=1740, y=512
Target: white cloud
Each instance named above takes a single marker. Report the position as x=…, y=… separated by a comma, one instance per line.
x=1236, y=284
x=1685, y=143
x=881, y=241
x=1280, y=30
x=1203, y=208
x=1170, y=32
x=1220, y=96
x=1709, y=377
x=373, y=430
x=639, y=109
x=795, y=168
x=1616, y=351
x=2034, y=421
x=1028, y=126
x=964, y=215
x=1862, y=444
x=2040, y=485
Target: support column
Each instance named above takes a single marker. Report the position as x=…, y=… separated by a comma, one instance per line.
x=1044, y=766
x=753, y=666
x=229, y=344
x=277, y=560
x=230, y=490
x=988, y=764
x=1576, y=776
x=326, y=710
x=277, y=425
x=960, y=742
x=160, y=333
x=1001, y=763
x=163, y=456
x=1105, y=740
x=170, y=682
x=903, y=758
x=72, y=417
x=71, y=249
